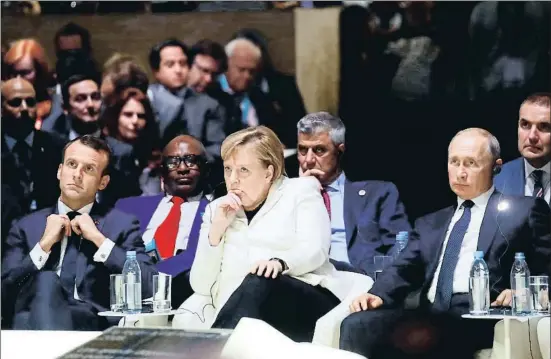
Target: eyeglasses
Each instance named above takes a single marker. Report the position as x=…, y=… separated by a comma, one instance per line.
x=17, y=101
x=81, y=97
x=191, y=161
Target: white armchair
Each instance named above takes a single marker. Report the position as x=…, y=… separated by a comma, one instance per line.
x=328, y=327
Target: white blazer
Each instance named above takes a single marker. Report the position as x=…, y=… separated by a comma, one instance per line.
x=292, y=225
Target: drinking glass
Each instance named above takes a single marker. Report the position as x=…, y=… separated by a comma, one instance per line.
x=380, y=263
x=117, y=291
x=162, y=287
x=539, y=289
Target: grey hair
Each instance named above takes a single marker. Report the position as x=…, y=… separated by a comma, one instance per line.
x=319, y=122
x=493, y=144
x=245, y=44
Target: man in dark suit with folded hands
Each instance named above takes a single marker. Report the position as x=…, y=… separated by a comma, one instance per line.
x=170, y=222
x=439, y=259
x=56, y=268
x=365, y=215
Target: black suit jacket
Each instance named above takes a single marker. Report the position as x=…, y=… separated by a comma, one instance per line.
x=519, y=224
x=45, y=159
x=92, y=278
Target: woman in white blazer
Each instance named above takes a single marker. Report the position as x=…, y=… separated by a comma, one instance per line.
x=263, y=249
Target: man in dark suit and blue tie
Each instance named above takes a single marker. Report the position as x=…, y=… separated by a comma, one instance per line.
x=56, y=268
x=530, y=175
x=365, y=215
x=439, y=258
x=170, y=223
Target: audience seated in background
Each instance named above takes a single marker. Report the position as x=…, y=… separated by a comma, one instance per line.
x=245, y=103
x=129, y=125
x=55, y=273
x=281, y=88
x=530, y=174
x=365, y=216
x=26, y=58
x=120, y=72
x=438, y=261
x=170, y=222
x=264, y=247
x=30, y=158
x=179, y=109
x=207, y=61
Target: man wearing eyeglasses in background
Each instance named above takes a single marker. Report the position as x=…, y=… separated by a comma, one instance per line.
x=29, y=157
x=170, y=222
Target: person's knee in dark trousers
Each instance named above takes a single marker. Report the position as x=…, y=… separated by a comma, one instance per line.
x=47, y=303
x=245, y=301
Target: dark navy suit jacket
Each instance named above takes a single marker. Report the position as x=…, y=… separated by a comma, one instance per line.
x=511, y=180
x=373, y=215
x=523, y=225
x=92, y=278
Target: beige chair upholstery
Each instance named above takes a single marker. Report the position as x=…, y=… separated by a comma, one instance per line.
x=271, y=344
x=544, y=329
x=523, y=341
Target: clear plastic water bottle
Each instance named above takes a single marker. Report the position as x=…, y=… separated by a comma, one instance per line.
x=132, y=283
x=520, y=285
x=401, y=242
x=479, y=286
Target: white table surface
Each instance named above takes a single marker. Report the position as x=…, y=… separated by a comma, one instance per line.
x=41, y=344
x=152, y=314
x=521, y=318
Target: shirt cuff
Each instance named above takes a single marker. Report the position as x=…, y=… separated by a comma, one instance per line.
x=38, y=256
x=104, y=251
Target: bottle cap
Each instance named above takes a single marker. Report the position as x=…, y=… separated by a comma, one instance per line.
x=478, y=255
x=130, y=253
x=519, y=255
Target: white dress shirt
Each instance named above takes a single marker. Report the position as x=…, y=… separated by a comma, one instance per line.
x=468, y=247
x=529, y=183
x=39, y=256
x=188, y=211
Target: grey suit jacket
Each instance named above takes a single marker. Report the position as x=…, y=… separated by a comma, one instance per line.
x=189, y=112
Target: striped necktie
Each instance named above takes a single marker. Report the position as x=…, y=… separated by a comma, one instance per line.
x=537, y=175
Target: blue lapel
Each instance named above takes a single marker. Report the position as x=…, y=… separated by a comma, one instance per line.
x=489, y=225
x=141, y=207
x=515, y=181
x=352, y=200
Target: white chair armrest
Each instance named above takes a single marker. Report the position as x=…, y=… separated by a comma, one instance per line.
x=328, y=327
x=544, y=329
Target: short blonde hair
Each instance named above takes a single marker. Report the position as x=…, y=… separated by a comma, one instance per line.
x=265, y=144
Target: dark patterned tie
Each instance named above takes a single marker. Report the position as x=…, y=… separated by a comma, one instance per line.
x=444, y=286
x=326, y=200
x=69, y=265
x=537, y=175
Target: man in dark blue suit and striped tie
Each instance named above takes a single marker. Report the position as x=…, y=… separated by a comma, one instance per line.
x=530, y=175
x=438, y=261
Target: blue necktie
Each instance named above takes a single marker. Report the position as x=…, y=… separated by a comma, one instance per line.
x=69, y=265
x=444, y=287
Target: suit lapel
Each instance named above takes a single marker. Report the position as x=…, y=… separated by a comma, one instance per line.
x=517, y=178
x=273, y=197
x=442, y=223
x=53, y=259
x=488, y=227
x=350, y=202
x=86, y=247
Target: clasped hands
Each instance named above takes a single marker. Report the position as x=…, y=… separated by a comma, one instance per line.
x=59, y=225
x=368, y=301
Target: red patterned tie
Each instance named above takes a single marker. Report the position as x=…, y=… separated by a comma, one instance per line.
x=165, y=236
x=326, y=200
